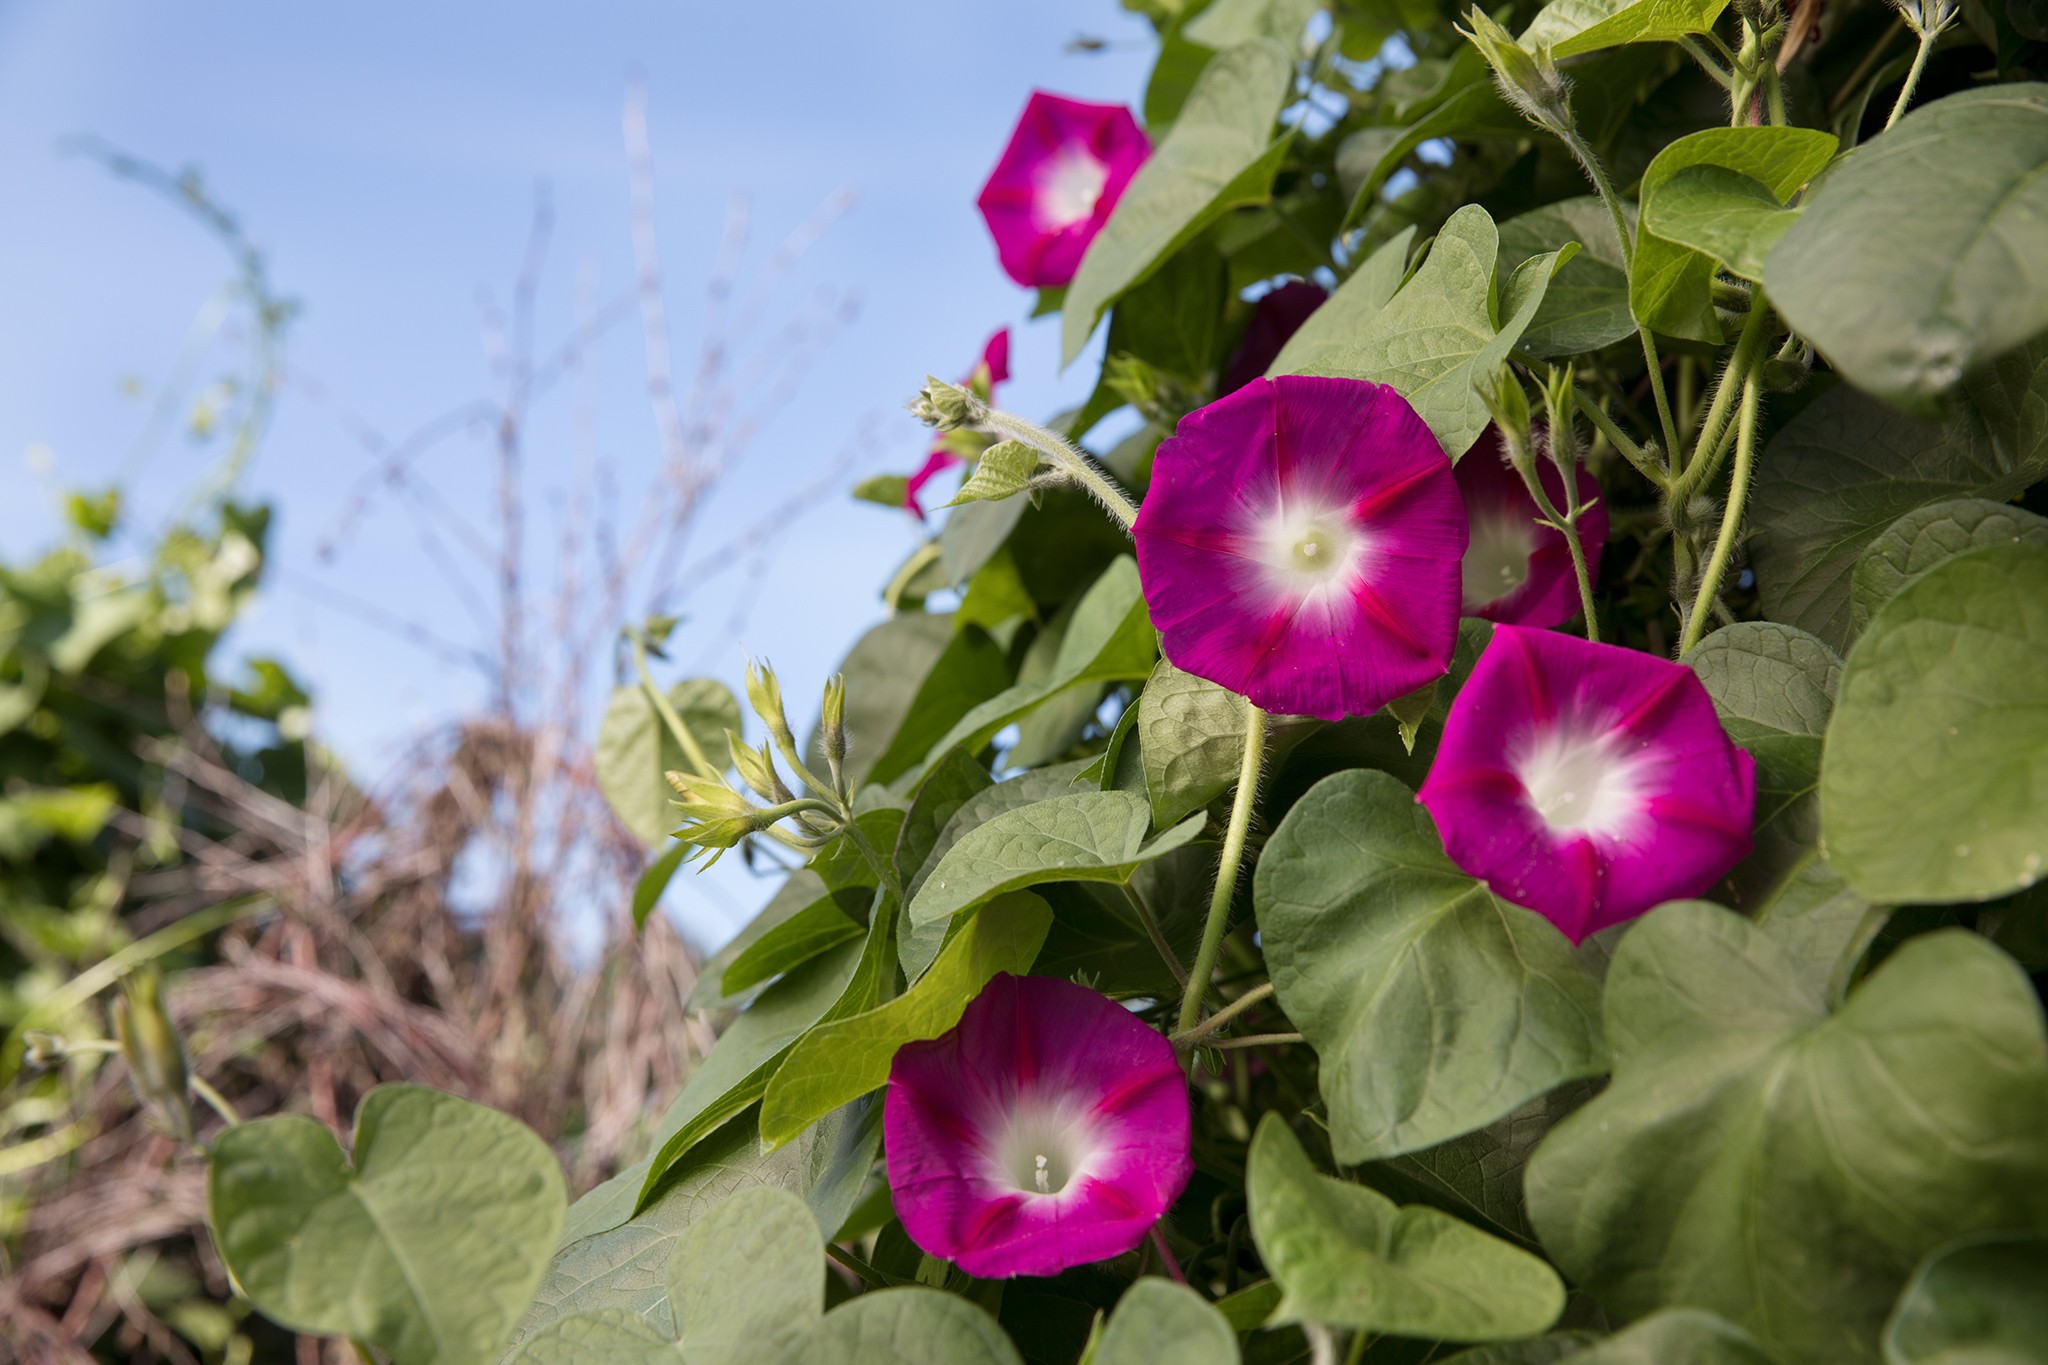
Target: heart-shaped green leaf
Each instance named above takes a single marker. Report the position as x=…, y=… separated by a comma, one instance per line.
x=428, y=1245
x=1434, y=1006
x=1348, y=1256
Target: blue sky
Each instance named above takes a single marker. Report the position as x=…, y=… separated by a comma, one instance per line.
x=386, y=156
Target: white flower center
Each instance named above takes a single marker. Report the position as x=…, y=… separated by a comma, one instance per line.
x=1043, y=1148
x=1307, y=550
x=1578, y=784
x=1069, y=186
x=1497, y=558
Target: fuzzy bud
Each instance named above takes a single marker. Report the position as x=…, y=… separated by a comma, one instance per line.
x=150, y=1046
x=1508, y=403
x=946, y=406
x=764, y=694
x=832, y=721
x=1528, y=80
x=756, y=768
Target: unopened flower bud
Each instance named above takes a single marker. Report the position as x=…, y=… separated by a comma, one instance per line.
x=1528, y=80
x=756, y=768
x=945, y=406
x=1508, y=403
x=149, y=1044
x=764, y=694
x=832, y=721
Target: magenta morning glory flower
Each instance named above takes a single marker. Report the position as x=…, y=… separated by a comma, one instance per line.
x=1066, y=166
x=1300, y=544
x=993, y=369
x=1277, y=316
x=1048, y=1129
x=1588, y=782
x=1517, y=570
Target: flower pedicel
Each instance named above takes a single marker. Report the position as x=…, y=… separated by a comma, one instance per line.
x=1049, y=1128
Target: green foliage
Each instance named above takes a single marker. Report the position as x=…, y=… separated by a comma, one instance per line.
x=1942, y=694
x=1914, y=264
x=1442, y=331
x=1434, y=1006
x=1348, y=1256
x=1782, y=1165
x=1979, y=1299
x=427, y=1240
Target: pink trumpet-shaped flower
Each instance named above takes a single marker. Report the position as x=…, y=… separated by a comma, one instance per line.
x=1300, y=544
x=1517, y=570
x=1048, y=1129
x=1588, y=782
x=1066, y=166
x=1276, y=317
x=993, y=369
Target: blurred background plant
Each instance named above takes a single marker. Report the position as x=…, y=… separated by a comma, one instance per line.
x=468, y=922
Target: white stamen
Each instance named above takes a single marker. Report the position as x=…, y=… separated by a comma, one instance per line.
x=1308, y=549
x=1580, y=783
x=1039, y=1174
x=1042, y=1145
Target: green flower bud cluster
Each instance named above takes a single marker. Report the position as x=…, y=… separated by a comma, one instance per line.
x=804, y=815
x=1528, y=80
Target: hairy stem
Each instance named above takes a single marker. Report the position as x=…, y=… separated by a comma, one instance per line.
x=1731, y=518
x=1927, y=39
x=1748, y=347
x=1156, y=934
x=1619, y=439
x=1223, y=1016
x=1068, y=459
x=1226, y=875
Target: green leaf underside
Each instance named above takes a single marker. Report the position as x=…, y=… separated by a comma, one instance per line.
x=1434, y=1007
x=816, y=929
x=623, y=1268
x=1785, y=1168
x=634, y=749
x=1082, y=836
x=1157, y=1321
x=1924, y=538
x=1003, y=469
x=1219, y=154
x=1943, y=697
x=1586, y=306
x=1438, y=333
x=1925, y=255
x=1108, y=639
x=1570, y=27
x=1348, y=311
x=1474, y=113
x=1348, y=1256
x=839, y=1061
x=746, y=1282
x=1671, y=287
x=1774, y=689
x=437, y=1237
x=1979, y=1300
x=1847, y=467
x=735, y=1072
